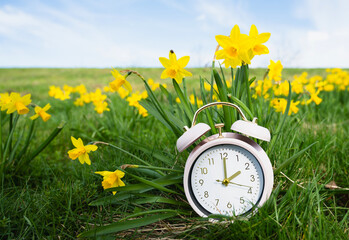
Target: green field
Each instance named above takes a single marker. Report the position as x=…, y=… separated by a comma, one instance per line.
x=49, y=198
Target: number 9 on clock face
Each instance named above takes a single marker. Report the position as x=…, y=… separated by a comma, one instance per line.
x=226, y=179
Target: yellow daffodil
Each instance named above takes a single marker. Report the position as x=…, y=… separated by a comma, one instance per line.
x=112, y=179
x=280, y=105
x=81, y=151
x=153, y=85
x=315, y=98
x=275, y=69
x=123, y=92
x=293, y=107
x=142, y=111
x=257, y=47
x=175, y=68
x=18, y=103
x=134, y=99
x=281, y=89
x=120, y=81
x=68, y=88
x=193, y=100
x=5, y=99
x=79, y=102
x=41, y=112
x=80, y=89
x=97, y=96
x=236, y=48
x=57, y=93
x=100, y=107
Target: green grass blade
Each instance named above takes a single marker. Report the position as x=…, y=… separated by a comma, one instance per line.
x=48, y=140
x=142, y=187
x=152, y=184
x=281, y=123
x=289, y=160
x=27, y=141
x=224, y=98
x=9, y=139
x=121, y=226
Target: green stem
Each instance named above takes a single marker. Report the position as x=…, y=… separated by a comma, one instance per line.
x=128, y=153
x=1, y=137
x=9, y=139
x=247, y=85
x=11, y=126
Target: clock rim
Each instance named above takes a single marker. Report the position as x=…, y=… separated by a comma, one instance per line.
x=241, y=141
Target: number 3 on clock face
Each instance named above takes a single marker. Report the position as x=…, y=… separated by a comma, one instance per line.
x=226, y=179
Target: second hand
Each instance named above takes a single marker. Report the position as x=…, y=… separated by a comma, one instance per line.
x=235, y=184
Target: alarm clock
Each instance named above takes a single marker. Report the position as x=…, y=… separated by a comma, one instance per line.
x=227, y=173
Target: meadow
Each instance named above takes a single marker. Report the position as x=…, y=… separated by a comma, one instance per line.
x=50, y=198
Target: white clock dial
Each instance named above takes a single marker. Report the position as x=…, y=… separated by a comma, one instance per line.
x=226, y=179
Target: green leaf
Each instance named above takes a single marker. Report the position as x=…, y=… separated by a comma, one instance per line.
x=183, y=99
x=142, y=187
x=158, y=199
x=242, y=105
x=124, y=225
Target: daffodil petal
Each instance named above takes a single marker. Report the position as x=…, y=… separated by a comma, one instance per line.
x=253, y=31
x=183, y=61
x=34, y=117
x=235, y=32
x=263, y=37
x=91, y=148
x=165, y=62
x=164, y=74
x=223, y=41
x=47, y=107
x=120, y=174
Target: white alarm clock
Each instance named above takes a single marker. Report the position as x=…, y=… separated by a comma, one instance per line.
x=227, y=173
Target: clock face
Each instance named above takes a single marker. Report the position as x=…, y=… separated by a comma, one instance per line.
x=226, y=179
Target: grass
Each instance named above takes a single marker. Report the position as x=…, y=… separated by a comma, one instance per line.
x=50, y=198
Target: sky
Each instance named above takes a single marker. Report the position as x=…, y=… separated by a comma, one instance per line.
x=135, y=33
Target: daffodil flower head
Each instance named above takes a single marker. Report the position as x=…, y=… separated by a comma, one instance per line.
x=112, y=179
x=275, y=69
x=257, y=47
x=81, y=151
x=120, y=81
x=41, y=112
x=100, y=107
x=236, y=48
x=18, y=103
x=175, y=68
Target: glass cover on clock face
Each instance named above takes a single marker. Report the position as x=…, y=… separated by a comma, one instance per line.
x=226, y=179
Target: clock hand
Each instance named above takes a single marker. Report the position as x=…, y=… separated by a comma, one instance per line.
x=225, y=171
x=233, y=176
x=234, y=183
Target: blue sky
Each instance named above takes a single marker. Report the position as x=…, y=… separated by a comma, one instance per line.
x=132, y=33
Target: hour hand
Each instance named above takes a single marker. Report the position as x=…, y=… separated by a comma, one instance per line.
x=233, y=176
x=226, y=180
